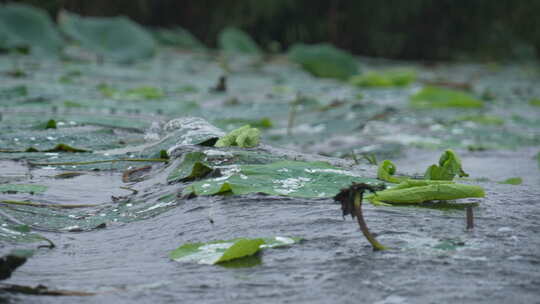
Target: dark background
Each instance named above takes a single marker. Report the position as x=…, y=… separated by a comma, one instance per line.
x=404, y=29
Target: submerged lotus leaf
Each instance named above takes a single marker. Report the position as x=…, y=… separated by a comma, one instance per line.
x=178, y=37
x=13, y=92
x=420, y=191
x=448, y=168
x=324, y=60
x=27, y=26
x=138, y=93
x=391, y=78
x=115, y=37
x=435, y=97
x=23, y=188
x=12, y=261
x=284, y=178
x=512, y=181
x=233, y=40
x=535, y=102
x=193, y=166
x=224, y=251
x=244, y=137
x=482, y=119
x=19, y=234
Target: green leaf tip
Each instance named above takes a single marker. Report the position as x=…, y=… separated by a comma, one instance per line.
x=51, y=124
x=386, y=172
x=244, y=137
x=449, y=167
x=241, y=248
x=163, y=154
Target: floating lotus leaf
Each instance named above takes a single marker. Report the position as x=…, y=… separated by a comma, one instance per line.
x=285, y=178
x=224, y=251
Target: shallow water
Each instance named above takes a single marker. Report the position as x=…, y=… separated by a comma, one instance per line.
x=434, y=259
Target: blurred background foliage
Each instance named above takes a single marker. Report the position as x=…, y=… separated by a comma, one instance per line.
x=412, y=29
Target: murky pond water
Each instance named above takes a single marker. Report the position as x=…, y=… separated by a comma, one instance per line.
x=119, y=249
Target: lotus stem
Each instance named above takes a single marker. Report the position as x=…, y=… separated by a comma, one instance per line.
x=363, y=226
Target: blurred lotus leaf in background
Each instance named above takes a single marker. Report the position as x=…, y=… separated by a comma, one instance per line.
x=233, y=40
x=435, y=97
x=117, y=38
x=324, y=60
x=178, y=37
x=23, y=26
